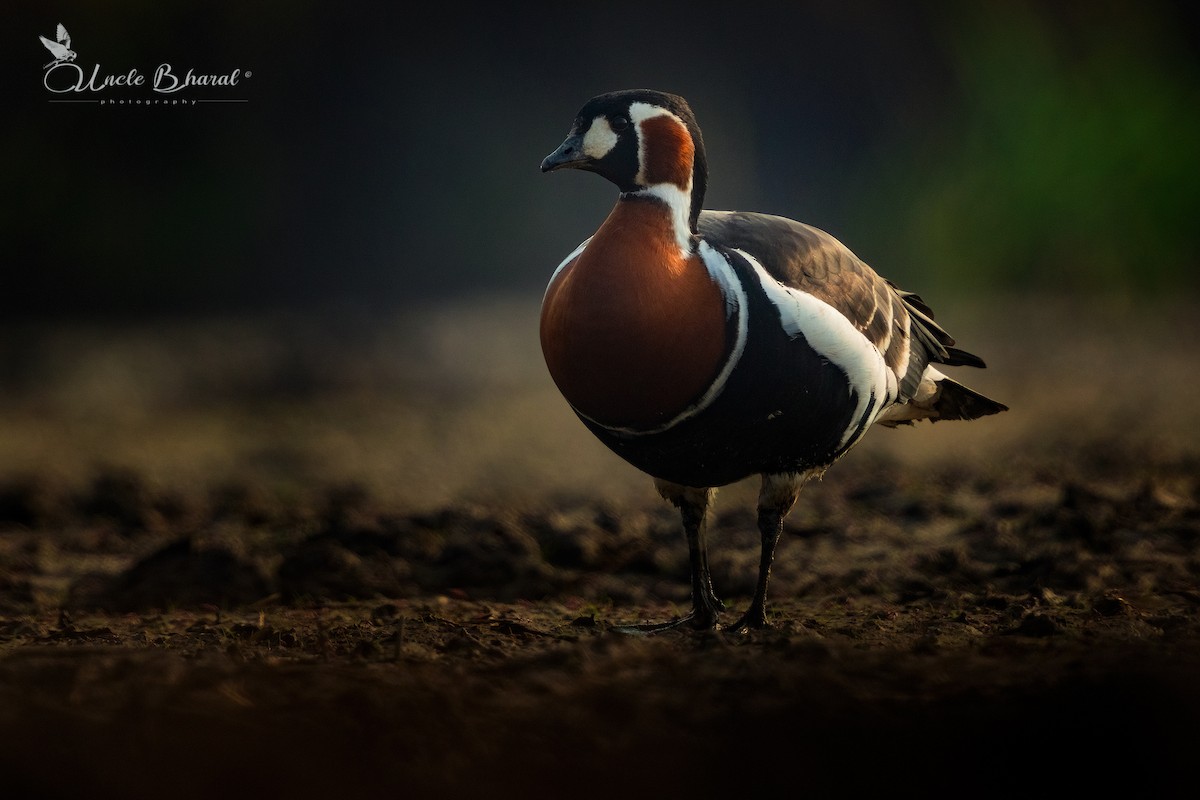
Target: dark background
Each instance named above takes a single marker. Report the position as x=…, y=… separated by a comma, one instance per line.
x=282, y=355
x=385, y=158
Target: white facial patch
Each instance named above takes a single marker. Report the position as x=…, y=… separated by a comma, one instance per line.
x=599, y=139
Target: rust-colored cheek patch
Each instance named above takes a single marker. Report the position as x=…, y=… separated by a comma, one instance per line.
x=668, y=150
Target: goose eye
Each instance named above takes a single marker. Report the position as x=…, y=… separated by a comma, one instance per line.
x=619, y=124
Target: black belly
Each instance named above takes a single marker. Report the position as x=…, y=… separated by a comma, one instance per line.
x=783, y=409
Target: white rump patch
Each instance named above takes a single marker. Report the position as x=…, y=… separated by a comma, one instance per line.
x=836, y=339
x=920, y=405
x=599, y=139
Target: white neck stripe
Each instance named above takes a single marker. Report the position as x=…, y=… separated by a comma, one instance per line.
x=679, y=203
x=677, y=199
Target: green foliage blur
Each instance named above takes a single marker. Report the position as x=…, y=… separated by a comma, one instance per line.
x=1073, y=163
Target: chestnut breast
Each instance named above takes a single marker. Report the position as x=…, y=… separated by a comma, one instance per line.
x=633, y=330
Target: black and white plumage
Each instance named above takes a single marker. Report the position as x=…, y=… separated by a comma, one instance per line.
x=707, y=346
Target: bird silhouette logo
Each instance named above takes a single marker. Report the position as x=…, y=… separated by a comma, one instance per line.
x=61, y=49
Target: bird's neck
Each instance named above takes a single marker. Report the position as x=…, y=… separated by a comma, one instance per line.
x=672, y=167
x=678, y=201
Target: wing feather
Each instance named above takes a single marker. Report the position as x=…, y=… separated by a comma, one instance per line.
x=56, y=49
x=898, y=323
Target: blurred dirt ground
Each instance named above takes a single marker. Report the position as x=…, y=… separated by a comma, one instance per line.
x=347, y=555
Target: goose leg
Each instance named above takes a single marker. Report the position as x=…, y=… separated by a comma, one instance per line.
x=705, y=605
x=693, y=509
x=775, y=502
x=770, y=527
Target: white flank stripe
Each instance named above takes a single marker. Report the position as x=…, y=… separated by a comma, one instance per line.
x=735, y=305
x=723, y=275
x=834, y=338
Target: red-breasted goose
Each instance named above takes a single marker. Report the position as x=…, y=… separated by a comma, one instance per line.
x=707, y=346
